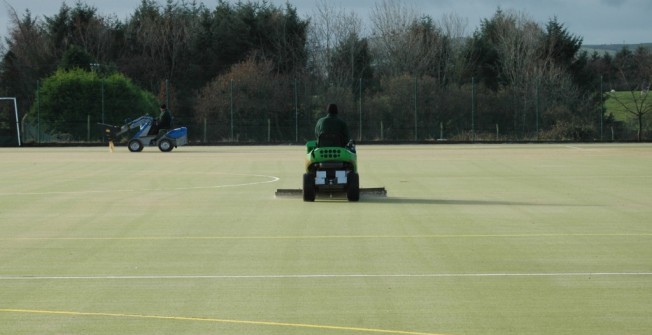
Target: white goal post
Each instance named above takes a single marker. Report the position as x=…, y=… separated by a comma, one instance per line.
x=16, y=112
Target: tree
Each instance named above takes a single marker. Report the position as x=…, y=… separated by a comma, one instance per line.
x=331, y=29
x=69, y=99
x=158, y=40
x=405, y=43
x=83, y=27
x=27, y=59
x=635, y=74
x=251, y=92
x=76, y=58
x=350, y=62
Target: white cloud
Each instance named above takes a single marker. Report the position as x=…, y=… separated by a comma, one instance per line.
x=596, y=21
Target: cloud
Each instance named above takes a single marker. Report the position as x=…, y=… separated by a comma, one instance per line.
x=613, y=3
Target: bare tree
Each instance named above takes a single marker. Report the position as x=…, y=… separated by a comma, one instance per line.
x=163, y=37
x=636, y=103
x=391, y=21
x=96, y=36
x=406, y=43
x=454, y=29
x=517, y=44
x=27, y=57
x=330, y=28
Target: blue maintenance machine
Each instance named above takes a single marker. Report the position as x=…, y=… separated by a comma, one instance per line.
x=165, y=139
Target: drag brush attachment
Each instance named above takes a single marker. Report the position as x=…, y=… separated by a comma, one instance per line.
x=364, y=192
x=373, y=192
x=110, y=131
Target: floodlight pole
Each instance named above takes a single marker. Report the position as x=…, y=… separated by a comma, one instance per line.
x=17, y=122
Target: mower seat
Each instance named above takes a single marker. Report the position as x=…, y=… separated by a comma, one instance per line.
x=331, y=140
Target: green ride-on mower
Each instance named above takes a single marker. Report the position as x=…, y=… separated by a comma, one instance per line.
x=331, y=169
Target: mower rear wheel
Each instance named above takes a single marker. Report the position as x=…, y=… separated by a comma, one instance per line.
x=135, y=146
x=308, y=187
x=165, y=145
x=353, y=190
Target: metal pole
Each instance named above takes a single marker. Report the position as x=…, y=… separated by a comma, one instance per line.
x=360, y=110
x=17, y=122
x=296, y=113
x=537, y=109
x=38, y=114
x=102, y=88
x=601, y=108
x=416, y=121
x=473, y=108
x=167, y=93
x=231, y=110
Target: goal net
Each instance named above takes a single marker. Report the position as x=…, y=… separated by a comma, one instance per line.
x=9, y=122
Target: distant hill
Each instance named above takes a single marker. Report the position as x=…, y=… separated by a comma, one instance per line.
x=612, y=49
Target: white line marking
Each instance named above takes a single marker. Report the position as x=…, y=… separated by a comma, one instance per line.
x=329, y=276
x=310, y=237
x=272, y=179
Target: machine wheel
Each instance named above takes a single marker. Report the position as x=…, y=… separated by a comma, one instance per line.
x=308, y=187
x=165, y=145
x=353, y=190
x=135, y=146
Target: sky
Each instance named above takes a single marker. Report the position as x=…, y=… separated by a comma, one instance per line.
x=595, y=21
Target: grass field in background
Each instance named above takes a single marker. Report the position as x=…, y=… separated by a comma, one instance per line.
x=472, y=239
x=620, y=112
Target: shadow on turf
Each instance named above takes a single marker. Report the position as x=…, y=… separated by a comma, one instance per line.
x=422, y=201
x=341, y=197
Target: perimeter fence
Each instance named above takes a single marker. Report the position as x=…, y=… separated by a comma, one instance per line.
x=402, y=110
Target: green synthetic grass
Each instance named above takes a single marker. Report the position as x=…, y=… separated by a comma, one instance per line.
x=620, y=112
x=472, y=239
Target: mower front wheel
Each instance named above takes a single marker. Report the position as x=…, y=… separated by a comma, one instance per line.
x=308, y=187
x=135, y=146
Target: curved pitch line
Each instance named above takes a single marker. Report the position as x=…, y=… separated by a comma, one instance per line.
x=272, y=179
x=245, y=322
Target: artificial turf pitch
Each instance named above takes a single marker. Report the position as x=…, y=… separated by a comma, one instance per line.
x=472, y=239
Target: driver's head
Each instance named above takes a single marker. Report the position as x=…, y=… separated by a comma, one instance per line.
x=332, y=109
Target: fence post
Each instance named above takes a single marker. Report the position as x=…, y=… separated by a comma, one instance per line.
x=231, y=110
x=416, y=121
x=296, y=115
x=537, y=110
x=38, y=113
x=602, y=111
x=360, y=109
x=204, y=130
x=473, y=109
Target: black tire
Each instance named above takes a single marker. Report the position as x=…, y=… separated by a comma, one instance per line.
x=353, y=189
x=165, y=145
x=135, y=146
x=309, y=191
